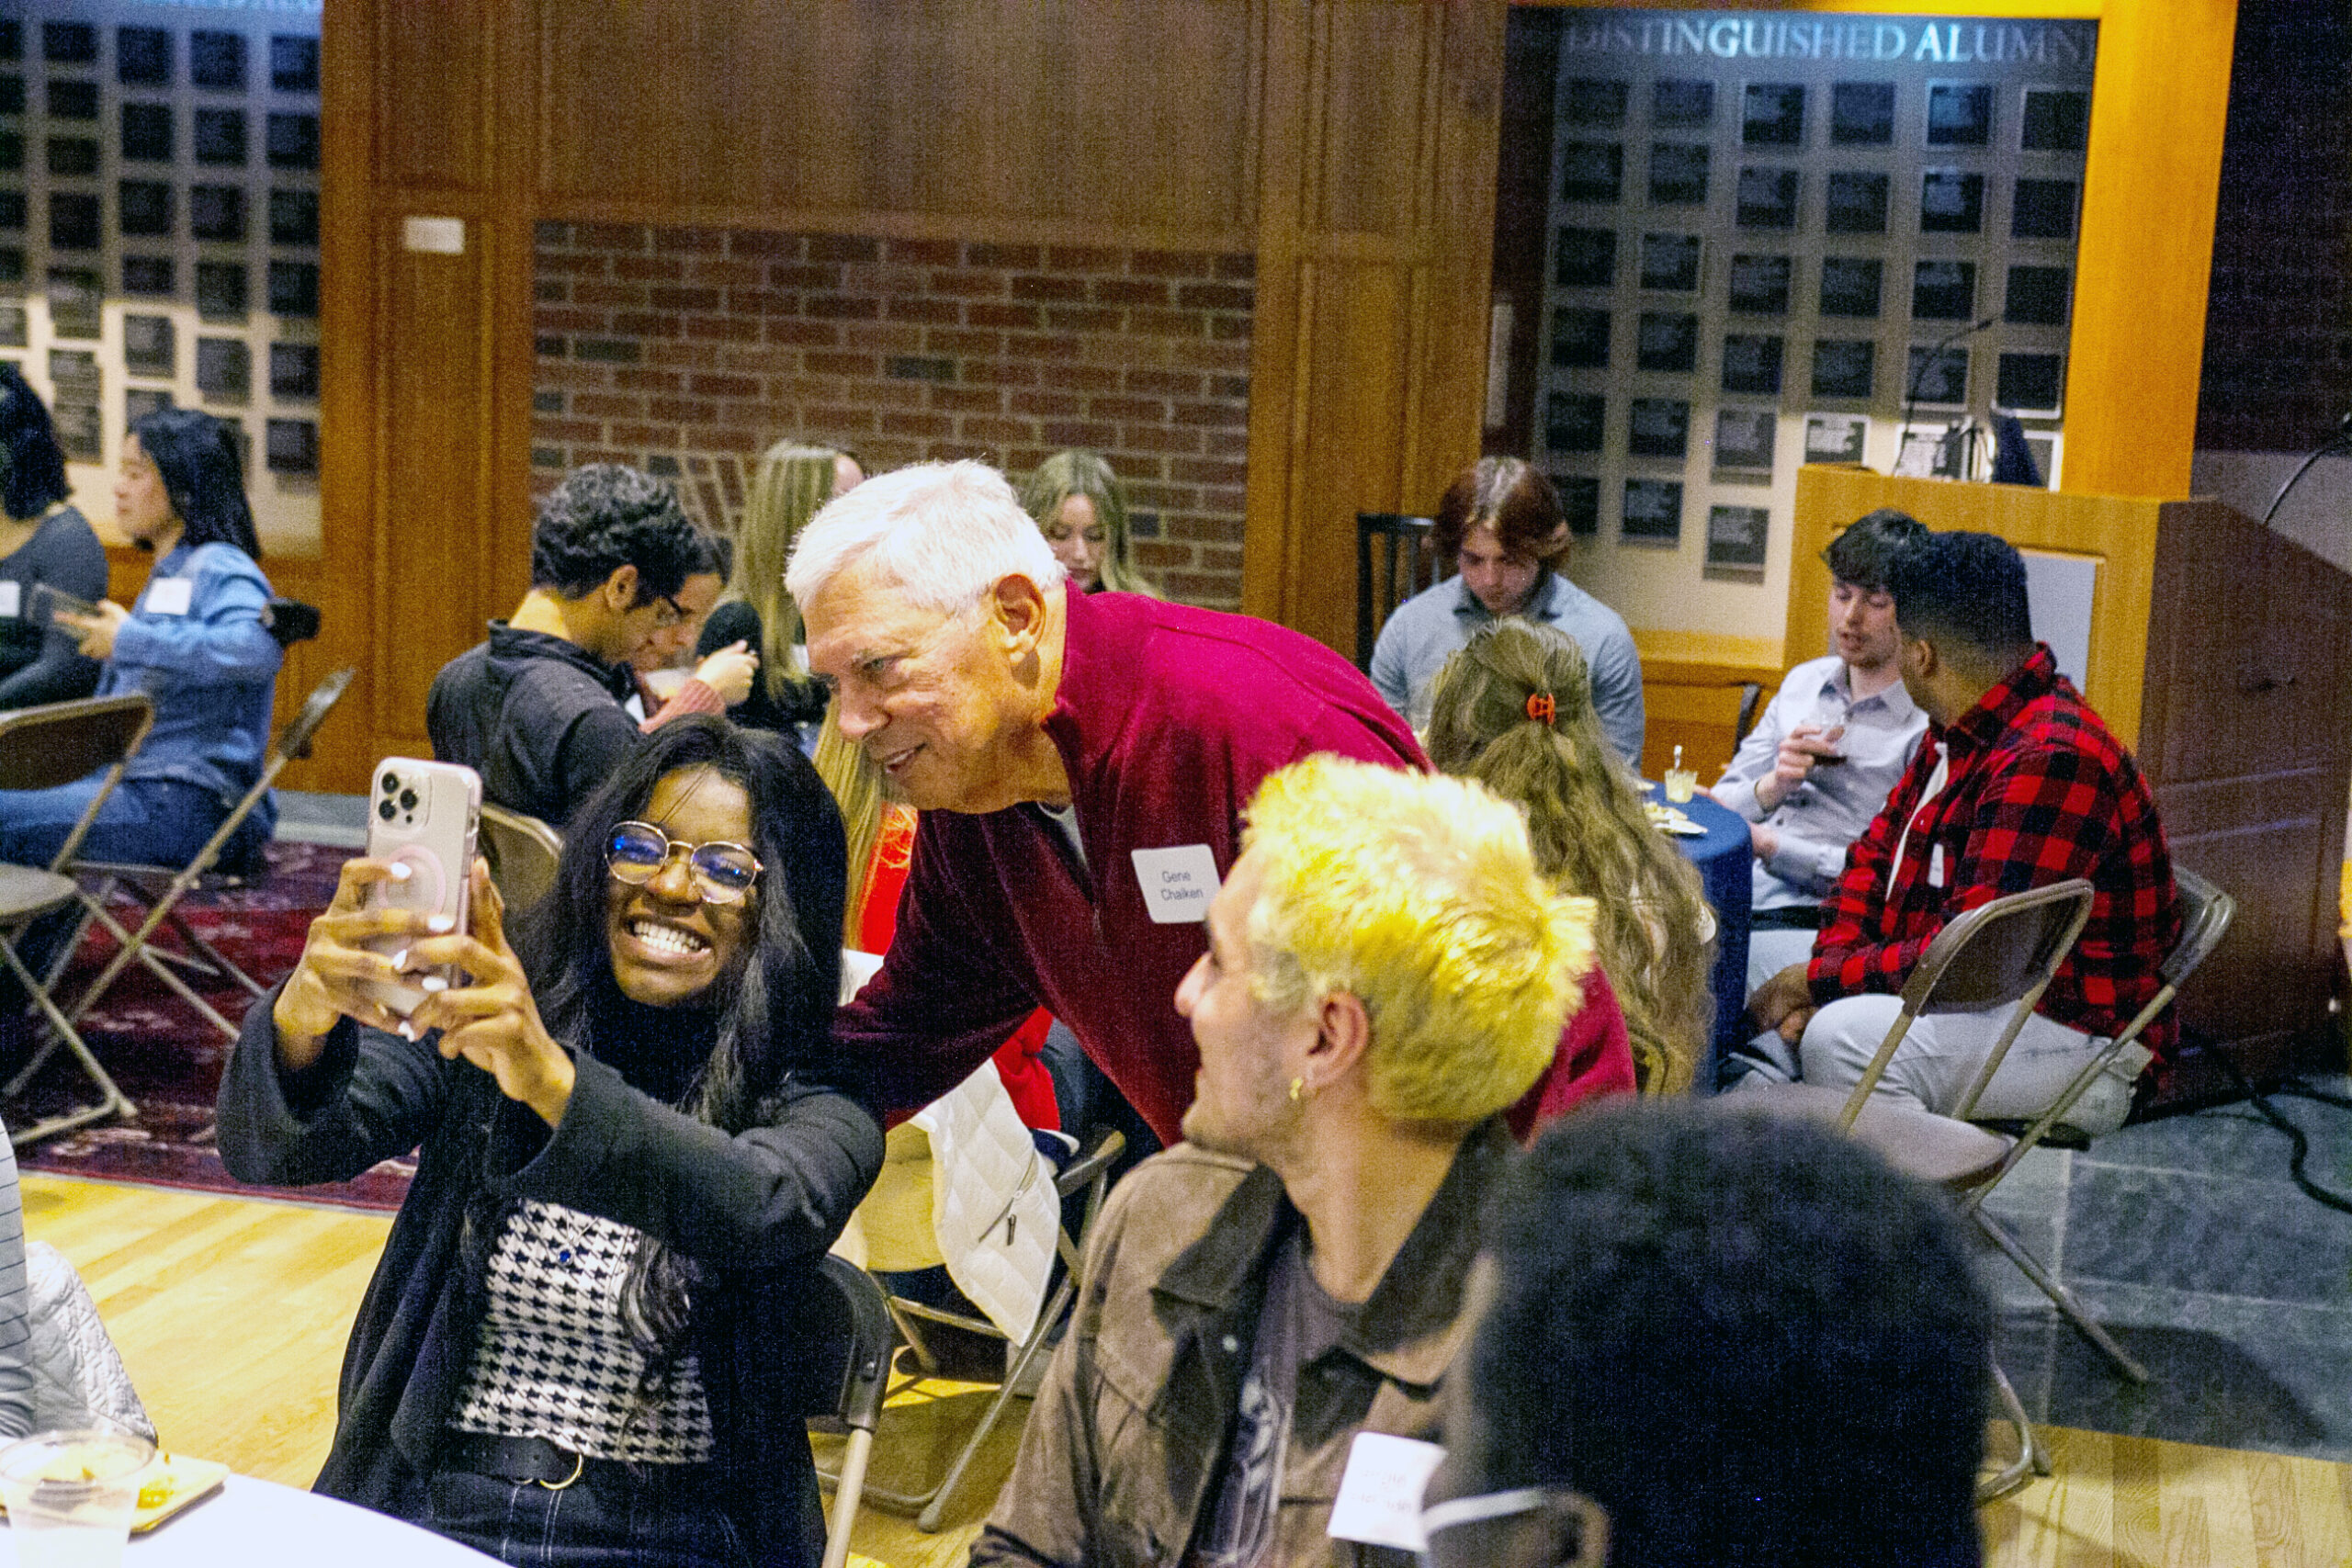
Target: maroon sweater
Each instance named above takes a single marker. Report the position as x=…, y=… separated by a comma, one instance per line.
x=1166, y=720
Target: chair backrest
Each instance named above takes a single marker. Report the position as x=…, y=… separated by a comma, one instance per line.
x=841, y=1336
x=1997, y=952
x=294, y=741
x=290, y=621
x=523, y=852
x=1406, y=550
x=2205, y=914
x=56, y=743
x=1751, y=697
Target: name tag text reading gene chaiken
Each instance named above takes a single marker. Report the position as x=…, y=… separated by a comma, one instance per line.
x=1177, y=883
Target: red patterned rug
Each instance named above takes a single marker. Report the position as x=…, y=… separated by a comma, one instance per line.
x=168, y=1060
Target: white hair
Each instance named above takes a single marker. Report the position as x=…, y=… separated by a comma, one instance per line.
x=941, y=534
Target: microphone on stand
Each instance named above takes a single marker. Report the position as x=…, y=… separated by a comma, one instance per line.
x=1911, y=398
x=2338, y=442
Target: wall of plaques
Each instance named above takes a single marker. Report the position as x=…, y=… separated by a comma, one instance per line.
x=159, y=232
x=1780, y=239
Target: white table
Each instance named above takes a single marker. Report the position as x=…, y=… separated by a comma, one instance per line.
x=259, y=1524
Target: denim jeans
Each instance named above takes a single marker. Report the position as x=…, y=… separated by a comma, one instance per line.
x=614, y=1515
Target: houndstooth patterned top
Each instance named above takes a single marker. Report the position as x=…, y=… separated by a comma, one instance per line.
x=553, y=1358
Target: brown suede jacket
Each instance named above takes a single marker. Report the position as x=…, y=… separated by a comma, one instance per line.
x=1128, y=1442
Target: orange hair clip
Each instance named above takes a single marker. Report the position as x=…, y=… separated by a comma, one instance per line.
x=1540, y=707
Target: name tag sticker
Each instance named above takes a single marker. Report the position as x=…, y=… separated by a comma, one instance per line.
x=1935, y=865
x=1380, y=1492
x=1177, y=883
x=11, y=599
x=169, y=596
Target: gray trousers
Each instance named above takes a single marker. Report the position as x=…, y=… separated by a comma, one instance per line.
x=1942, y=1053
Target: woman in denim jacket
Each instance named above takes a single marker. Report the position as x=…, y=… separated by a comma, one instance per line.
x=194, y=642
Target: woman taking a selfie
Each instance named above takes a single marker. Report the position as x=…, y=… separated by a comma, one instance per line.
x=632, y=1154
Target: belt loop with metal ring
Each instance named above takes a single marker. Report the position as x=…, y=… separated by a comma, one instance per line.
x=578, y=1465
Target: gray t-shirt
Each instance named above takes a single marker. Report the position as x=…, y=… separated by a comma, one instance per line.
x=1297, y=1326
x=1431, y=626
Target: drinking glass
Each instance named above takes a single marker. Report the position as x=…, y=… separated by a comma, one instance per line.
x=70, y=1495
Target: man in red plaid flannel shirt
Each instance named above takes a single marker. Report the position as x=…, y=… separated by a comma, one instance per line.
x=2019, y=785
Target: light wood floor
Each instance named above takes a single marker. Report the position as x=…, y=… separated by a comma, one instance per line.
x=232, y=1316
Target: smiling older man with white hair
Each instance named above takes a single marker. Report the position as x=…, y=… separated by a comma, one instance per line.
x=1080, y=762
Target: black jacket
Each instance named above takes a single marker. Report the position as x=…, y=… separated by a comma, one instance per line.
x=761, y=1206
x=539, y=718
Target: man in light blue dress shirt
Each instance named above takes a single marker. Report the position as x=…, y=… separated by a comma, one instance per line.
x=1822, y=759
x=1501, y=526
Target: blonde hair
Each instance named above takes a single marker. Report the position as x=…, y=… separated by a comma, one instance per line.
x=1591, y=832
x=1080, y=472
x=792, y=484
x=1418, y=895
x=856, y=784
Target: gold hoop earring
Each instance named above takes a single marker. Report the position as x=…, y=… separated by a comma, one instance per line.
x=1297, y=1090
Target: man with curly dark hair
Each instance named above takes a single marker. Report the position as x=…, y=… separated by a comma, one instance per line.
x=1713, y=1338
x=536, y=709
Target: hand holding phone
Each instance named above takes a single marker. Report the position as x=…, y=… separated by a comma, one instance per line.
x=49, y=601
x=422, y=820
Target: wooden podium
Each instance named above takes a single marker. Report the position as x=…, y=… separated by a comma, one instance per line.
x=2221, y=654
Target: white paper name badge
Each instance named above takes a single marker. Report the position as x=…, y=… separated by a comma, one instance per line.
x=1380, y=1492
x=11, y=599
x=1177, y=883
x=169, y=596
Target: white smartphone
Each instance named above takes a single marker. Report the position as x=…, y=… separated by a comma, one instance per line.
x=421, y=816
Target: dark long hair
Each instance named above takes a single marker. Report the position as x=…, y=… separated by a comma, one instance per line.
x=201, y=475
x=36, y=467
x=765, y=1022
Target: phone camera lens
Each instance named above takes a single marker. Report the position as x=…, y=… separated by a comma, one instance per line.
x=385, y=810
x=408, y=800
x=391, y=782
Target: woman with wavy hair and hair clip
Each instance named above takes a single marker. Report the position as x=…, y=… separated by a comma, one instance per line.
x=634, y=1148
x=44, y=539
x=792, y=484
x=1081, y=508
x=1514, y=710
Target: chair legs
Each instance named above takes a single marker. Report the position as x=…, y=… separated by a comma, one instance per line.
x=847, y=1489
x=2032, y=1458
x=2060, y=1296
x=112, y=1102
x=929, y=1508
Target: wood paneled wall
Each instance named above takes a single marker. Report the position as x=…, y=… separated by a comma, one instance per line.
x=1348, y=143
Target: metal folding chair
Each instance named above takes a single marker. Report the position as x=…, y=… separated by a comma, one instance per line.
x=1407, y=551
x=2205, y=919
x=43, y=748
x=842, y=1338
x=1996, y=954
x=1090, y=1174
x=160, y=888
x=521, y=852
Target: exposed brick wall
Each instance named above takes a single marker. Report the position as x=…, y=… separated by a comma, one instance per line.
x=2278, y=328
x=689, y=351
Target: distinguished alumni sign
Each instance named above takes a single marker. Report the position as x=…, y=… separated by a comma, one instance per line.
x=1880, y=39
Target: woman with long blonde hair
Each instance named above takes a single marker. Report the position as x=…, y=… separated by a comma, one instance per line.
x=792, y=483
x=1081, y=508
x=1514, y=710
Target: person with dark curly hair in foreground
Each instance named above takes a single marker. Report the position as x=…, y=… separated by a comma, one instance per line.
x=537, y=710
x=1712, y=1339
